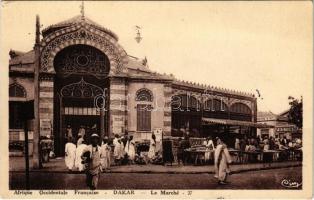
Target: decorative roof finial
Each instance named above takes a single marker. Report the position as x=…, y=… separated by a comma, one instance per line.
x=82, y=10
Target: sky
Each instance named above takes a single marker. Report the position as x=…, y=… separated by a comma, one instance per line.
x=241, y=46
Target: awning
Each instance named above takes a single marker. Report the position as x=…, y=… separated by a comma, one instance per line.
x=209, y=121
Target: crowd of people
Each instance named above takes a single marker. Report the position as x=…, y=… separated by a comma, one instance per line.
x=266, y=143
x=121, y=150
x=94, y=155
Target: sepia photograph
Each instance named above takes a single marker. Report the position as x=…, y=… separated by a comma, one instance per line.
x=163, y=99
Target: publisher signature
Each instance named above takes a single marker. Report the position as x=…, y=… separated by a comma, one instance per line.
x=287, y=183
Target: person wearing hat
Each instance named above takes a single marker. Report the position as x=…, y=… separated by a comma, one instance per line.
x=93, y=166
x=105, y=153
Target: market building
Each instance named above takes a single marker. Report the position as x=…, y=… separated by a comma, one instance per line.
x=82, y=68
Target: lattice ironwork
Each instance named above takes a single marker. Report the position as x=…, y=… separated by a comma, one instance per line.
x=82, y=59
x=81, y=89
x=144, y=95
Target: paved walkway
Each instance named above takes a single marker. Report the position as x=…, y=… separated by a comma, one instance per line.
x=17, y=164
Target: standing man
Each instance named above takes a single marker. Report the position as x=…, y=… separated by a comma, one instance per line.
x=92, y=155
x=68, y=133
x=82, y=131
x=70, y=149
x=125, y=138
x=78, y=156
x=222, y=161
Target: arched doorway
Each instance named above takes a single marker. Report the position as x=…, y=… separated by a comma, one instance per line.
x=81, y=78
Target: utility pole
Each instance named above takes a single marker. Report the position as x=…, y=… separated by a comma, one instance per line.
x=36, y=146
x=26, y=113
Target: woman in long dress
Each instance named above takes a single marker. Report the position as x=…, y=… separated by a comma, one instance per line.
x=152, y=147
x=130, y=149
x=70, y=149
x=78, y=156
x=222, y=161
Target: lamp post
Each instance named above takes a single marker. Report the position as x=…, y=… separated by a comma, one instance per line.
x=138, y=37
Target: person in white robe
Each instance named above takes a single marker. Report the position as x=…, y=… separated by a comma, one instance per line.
x=152, y=147
x=105, y=154
x=117, y=147
x=130, y=149
x=78, y=156
x=121, y=149
x=222, y=161
x=209, y=144
x=70, y=149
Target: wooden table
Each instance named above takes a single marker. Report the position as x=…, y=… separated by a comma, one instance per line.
x=198, y=154
x=236, y=153
x=274, y=155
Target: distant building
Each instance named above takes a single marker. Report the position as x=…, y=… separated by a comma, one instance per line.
x=281, y=126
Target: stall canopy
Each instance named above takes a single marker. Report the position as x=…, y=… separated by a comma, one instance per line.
x=212, y=121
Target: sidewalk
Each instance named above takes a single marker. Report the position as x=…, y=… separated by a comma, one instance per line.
x=17, y=164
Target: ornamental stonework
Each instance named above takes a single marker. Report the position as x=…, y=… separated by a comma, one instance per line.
x=58, y=40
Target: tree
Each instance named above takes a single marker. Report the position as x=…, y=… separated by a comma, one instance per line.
x=295, y=114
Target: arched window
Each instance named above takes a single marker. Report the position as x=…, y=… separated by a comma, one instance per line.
x=16, y=90
x=215, y=105
x=144, y=95
x=144, y=109
x=240, y=108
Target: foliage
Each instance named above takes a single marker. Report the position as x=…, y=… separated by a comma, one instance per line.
x=295, y=114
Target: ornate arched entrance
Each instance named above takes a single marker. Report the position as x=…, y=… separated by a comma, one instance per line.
x=81, y=77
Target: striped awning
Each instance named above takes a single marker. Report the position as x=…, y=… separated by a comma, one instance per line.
x=209, y=121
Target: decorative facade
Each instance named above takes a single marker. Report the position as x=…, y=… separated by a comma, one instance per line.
x=83, y=69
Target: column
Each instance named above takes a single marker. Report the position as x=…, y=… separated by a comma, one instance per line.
x=46, y=105
x=167, y=109
x=118, y=106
